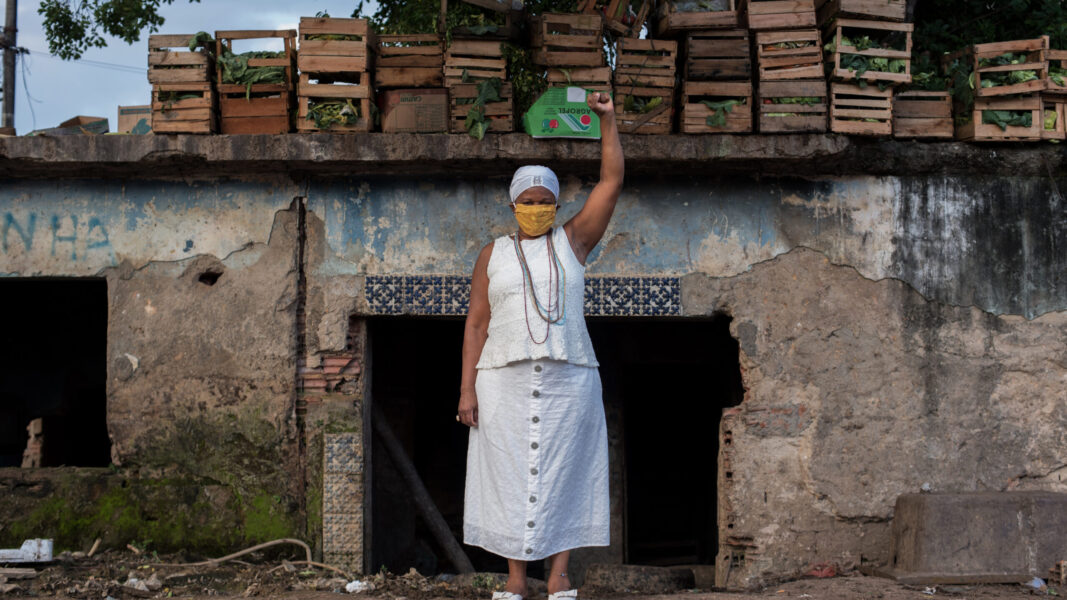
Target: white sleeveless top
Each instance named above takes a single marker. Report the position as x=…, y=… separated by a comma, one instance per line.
x=509, y=340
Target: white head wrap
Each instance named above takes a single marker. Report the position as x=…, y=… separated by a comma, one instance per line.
x=531, y=176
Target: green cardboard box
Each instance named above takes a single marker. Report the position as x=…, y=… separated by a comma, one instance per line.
x=561, y=112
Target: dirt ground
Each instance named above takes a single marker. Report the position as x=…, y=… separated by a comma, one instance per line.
x=109, y=574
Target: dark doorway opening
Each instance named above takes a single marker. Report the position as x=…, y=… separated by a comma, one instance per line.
x=52, y=367
x=667, y=380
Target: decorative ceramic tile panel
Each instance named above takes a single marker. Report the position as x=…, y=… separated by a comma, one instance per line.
x=343, y=453
x=450, y=295
x=342, y=500
x=341, y=493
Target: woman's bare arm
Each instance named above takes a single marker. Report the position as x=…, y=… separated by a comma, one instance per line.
x=475, y=333
x=587, y=227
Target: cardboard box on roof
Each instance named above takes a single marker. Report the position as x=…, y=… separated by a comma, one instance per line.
x=135, y=119
x=421, y=110
x=79, y=125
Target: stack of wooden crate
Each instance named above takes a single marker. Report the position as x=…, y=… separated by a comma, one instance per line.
x=868, y=53
x=409, y=61
x=183, y=94
x=644, y=85
x=716, y=65
x=336, y=58
x=571, y=49
x=1004, y=97
x=257, y=107
x=471, y=65
x=791, y=87
x=619, y=15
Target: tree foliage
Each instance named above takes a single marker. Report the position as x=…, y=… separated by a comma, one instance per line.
x=948, y=25
x=73, y=26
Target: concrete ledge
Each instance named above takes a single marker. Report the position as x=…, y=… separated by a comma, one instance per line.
x=980, y=537
x=135, y=156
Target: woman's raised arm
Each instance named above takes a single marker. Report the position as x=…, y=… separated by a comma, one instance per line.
x=587, y=227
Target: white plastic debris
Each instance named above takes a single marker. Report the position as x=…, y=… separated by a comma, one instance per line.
x=357, y=586
x=31, y=551
x=1037, y=583
x=930, y=591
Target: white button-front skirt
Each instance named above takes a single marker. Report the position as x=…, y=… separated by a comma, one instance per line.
x=537, y=464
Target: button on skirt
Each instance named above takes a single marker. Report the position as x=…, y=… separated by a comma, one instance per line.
x=537, y=464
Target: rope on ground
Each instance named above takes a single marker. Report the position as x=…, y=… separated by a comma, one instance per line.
x=313, y=564
x=215, y=561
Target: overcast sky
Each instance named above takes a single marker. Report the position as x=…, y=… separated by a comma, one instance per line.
x=62, y=89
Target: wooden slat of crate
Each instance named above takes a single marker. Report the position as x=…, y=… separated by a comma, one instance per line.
x=1037, y=60
x=789, y=63
x=648, y=63
x=778, y=14
x=615, y=13
x=480, y=59
x=365, y=123
x=335, y=56
x=167, y=65
x=563, y=40
x=671, y=22
x=1057, y=58
x=1054, y=104
x=657, y=120
x=919, y=114
x=258, y=114
x=255, y=115
x=860, y=111
x=886, y=10
x=499, y=115
x=191, y=115
x=839, y=31
x=597, y=79
x=695, y=114
x=717, y=55
x=812, y=118
x=977, y=131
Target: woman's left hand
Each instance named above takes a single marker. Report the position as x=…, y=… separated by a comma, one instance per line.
x=601, y=104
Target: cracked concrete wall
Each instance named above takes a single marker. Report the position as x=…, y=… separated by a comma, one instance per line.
x=860, y=390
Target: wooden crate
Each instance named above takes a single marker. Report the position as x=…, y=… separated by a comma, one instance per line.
x=312, y=89
x=920, y=114
x=883, y=10
x=511, y=29
x=842, y=28
x=263, y=107
x=406, y=61
x=657, y=120
x=597, y=79
x=1052, y=104
x=860, y=111
x=1057, y=59
x=479, y=59
x=778, y=14
x=616, y=16
x=777, y=117
x=499, y=115
x=563, y=40
x=1036, y=51
x=777, y=61
x=977, y=131
x=695, y=114
x=170, y=61
x=717, y=55
x=648, y=63
x=671, y=22
x=197, y=114
x=354, y=54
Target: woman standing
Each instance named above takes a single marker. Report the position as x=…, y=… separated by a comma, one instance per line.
x=537, y=459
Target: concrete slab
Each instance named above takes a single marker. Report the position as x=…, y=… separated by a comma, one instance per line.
x=979, y=537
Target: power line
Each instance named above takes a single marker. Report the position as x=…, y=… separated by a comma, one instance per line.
x=94, y=63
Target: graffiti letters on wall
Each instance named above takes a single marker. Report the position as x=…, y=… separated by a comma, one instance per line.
x=31, y=238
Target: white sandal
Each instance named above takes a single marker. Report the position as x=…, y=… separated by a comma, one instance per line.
x=506, y=596
x=564, y=594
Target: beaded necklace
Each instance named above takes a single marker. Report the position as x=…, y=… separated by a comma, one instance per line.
x=555, y=309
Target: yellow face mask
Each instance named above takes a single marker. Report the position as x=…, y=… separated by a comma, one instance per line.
x=535, y=219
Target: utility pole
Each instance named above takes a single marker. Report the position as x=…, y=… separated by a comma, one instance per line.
x=9, y=65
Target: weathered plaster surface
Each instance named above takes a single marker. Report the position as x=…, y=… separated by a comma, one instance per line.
x=860, y=390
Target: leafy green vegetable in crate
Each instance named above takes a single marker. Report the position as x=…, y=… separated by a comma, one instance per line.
x=1050, y=120
x=641, y=105
x=488, y=91
x=326, y=113
x=1058, y=75
x=202, y=39
x=806, y=100
x=1006, y=118
x=720, y=108
x=235, y=69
